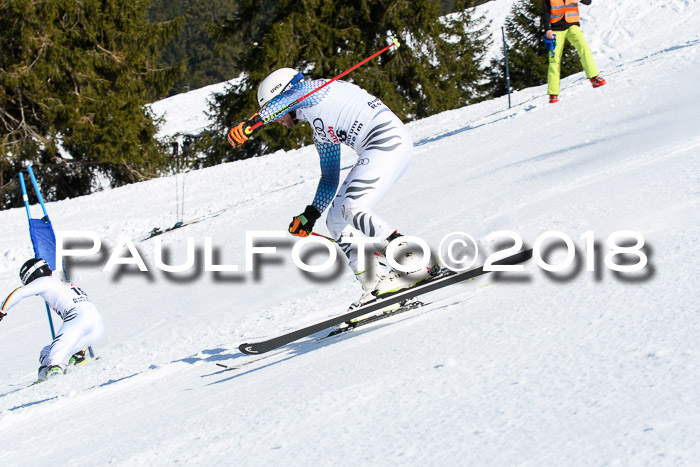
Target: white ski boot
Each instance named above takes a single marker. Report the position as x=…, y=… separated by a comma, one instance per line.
x=410, y=260
x=369, y=278
x=54, y=370
x=51, y=371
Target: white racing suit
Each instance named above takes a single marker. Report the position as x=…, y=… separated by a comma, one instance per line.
x=345, y=113
x=82, y=324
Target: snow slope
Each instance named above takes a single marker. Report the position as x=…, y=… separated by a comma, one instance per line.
x=572, y=368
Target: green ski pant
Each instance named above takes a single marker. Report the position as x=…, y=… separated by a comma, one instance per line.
x=575, y=36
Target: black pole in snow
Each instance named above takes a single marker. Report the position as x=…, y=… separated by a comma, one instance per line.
x=505, y=54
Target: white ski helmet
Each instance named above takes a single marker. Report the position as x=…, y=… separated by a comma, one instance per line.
x=276, y=83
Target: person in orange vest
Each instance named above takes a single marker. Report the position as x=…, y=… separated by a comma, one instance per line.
x=561, y=22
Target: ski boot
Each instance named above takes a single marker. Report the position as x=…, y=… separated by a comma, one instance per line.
x=597, y=81
x=77, y=358
x=410, y=260
x=51, y=371
x=54, y=370
x=369, y=278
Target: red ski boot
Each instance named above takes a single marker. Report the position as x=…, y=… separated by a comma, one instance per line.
x=597, y=81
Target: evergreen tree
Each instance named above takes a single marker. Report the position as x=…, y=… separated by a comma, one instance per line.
x=207, y=62
x=436, y=68
x=75, y=81
x=527, y=55
x=450, y=6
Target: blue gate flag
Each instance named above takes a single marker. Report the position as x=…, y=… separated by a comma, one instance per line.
x=43, y=240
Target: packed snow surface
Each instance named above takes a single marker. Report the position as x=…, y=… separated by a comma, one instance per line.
x=576, y=367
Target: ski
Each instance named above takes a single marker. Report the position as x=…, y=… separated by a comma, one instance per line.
x=158, y=231
x=377, y=304
x=70, y=365
x=250, y=362
x=405, y=306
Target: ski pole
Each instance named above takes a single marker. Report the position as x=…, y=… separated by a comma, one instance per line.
x=323, y=236
x=250, y=129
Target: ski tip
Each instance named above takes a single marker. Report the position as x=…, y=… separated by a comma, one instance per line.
x=517, y=258
x=248, y=349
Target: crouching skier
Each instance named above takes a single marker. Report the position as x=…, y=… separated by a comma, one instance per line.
x=82, y=323
x=342, y=112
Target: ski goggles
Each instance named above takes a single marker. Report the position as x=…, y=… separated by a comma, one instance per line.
x=295, y=80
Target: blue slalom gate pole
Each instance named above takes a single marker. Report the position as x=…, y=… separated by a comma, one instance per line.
x=46, y=216
x=40, y=244
x=36, y=189
x=25, y=197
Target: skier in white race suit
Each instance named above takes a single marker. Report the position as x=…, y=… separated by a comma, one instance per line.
x=342, y=112
x=82, y=324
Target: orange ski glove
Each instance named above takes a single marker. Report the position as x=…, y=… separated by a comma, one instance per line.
x=241, y=132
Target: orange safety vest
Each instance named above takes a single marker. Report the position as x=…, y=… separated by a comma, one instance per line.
x=567, y=9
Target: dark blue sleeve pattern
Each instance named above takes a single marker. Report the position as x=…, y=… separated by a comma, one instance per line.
x=269, y=112
x=330, y=174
